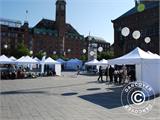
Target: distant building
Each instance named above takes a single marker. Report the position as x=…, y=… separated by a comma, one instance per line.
x=51, y=37
x=94, y=43
x=11, y=33
x=146, y=21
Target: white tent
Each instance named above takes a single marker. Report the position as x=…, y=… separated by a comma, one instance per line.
x=92, y=62
x=73, y=63
x=36, y=59
x=5, y=60
x=26, y=60
x=134, y=57
x=147, y=67
x=154, y=55
x=13, y=58
x=103, y=62
x=50, y=61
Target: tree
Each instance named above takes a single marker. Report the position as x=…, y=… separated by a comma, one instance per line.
x=39, y=55
x=83, y=58
x=55, y=57
x=105, y=55
x=20, y=51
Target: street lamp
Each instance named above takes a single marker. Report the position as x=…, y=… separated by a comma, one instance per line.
x=136, y=34
x=69, y=50
x=5, y=46
x=54, y=52
x=91, y=53
x=147, y=40
x=100, y=49
x=84, y=51
x=125, y=31
x=31, y=52
x=44, y=53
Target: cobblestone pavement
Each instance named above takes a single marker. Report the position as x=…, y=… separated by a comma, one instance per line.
x=65, y=98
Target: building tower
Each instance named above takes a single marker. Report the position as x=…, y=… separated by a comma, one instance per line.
x=60, y=25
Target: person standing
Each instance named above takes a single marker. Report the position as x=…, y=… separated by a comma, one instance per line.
x=111, y=73
x=100, y=74
x=106, y=73
x=78, y=69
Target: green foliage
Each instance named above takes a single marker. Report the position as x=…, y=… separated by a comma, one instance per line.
x=39, y=55
x=20, y=51
x=83, y=58
x=55, y=57
x=105, y=55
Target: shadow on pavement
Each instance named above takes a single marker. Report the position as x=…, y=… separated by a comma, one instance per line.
x=110, y=100
x=90, y=89
x=21, y=92
x=69, y=94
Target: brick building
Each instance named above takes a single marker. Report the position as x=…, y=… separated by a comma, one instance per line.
x=145, y=21
x=13, y=32
x=52, y=37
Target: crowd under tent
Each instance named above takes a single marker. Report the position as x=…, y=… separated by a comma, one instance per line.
x=147, y=67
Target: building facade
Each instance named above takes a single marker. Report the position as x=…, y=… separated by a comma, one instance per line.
x=48, y=36
x=145, y=21
x=12, y=33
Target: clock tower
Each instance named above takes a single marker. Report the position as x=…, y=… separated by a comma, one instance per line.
x=60, y=24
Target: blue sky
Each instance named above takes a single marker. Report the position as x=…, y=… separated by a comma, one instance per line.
x=85, y=16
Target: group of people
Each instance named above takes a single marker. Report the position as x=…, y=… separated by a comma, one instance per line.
x=9, y=71
x=117, y=74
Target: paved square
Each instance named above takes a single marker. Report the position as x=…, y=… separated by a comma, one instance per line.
x=65, y=98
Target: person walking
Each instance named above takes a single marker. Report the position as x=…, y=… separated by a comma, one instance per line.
x=100, y=74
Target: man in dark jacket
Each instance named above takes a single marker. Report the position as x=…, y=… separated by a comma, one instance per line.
x=111, y=73
x=100, y=74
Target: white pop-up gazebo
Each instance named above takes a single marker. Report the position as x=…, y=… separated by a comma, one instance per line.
x=153, y=54
x=13, y=58
x=26, y=60
x=103, y=62
x=50, y=61
x=147, y=67
x=5, y=60
x=92, y=62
